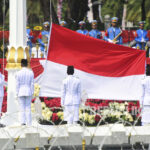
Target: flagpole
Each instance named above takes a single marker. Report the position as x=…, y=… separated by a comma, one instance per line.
x=4, y=33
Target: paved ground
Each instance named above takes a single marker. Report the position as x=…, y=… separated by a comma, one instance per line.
x=40, y=135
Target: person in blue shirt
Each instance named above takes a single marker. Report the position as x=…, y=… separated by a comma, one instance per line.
x=29, y=40
x=82, y=29
x=43, y=38
x=140, y=37
x=95, y=33
x=113, y=34
x=63, y=23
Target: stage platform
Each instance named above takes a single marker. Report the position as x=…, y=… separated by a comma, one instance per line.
x=39, y=135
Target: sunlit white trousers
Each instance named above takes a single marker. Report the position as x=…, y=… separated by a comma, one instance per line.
x=145, y=115
x=25, y=109
x=71, y=113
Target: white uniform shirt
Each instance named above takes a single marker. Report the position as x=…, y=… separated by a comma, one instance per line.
x=25, y=82
x=71, y=91
x=1, y=85
x=146, y=91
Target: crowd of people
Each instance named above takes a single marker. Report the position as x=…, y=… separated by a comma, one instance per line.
x=71, y=87
x=113, y=35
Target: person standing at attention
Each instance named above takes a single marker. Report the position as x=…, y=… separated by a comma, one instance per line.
x=24, y=92
x=145, y=99
x=82, y=29
x=113, y=34
x=71, y=97
x=95, y=33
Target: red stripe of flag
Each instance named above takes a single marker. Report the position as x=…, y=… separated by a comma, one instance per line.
x=93, y=55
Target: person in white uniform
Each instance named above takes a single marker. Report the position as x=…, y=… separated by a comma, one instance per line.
x=24, y=92
x=145, y=100
x=1, y=93
x=71, y=97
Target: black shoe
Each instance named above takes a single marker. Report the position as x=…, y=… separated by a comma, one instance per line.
x=2, y=125
x=23, y=124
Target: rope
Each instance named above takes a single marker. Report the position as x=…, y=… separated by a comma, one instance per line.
x=3, y=34
x=51, y=18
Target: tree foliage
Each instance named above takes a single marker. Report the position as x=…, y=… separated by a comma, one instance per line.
x=73, y=11
x=3, y=11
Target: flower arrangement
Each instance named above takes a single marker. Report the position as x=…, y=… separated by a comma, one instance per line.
x=93, y=115
x=49, y=115
x=36, y=90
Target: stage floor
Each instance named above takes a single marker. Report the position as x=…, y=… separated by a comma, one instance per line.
x=39, y=135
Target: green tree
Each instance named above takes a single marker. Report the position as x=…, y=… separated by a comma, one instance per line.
x=125, y=2
x=113, y=8
x=134, y=10
x=3, y=11
x=138, y=10
x=39, y=11
x=74, y=11
x=78, y=9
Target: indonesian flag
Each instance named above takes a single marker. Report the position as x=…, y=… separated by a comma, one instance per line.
x=106, y=70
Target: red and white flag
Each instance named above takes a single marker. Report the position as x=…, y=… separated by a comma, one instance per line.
x=106, y=71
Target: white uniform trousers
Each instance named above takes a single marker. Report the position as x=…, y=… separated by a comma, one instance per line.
x=71, y=113
x=25, y=109
x=1, y=102
x=145, y=115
